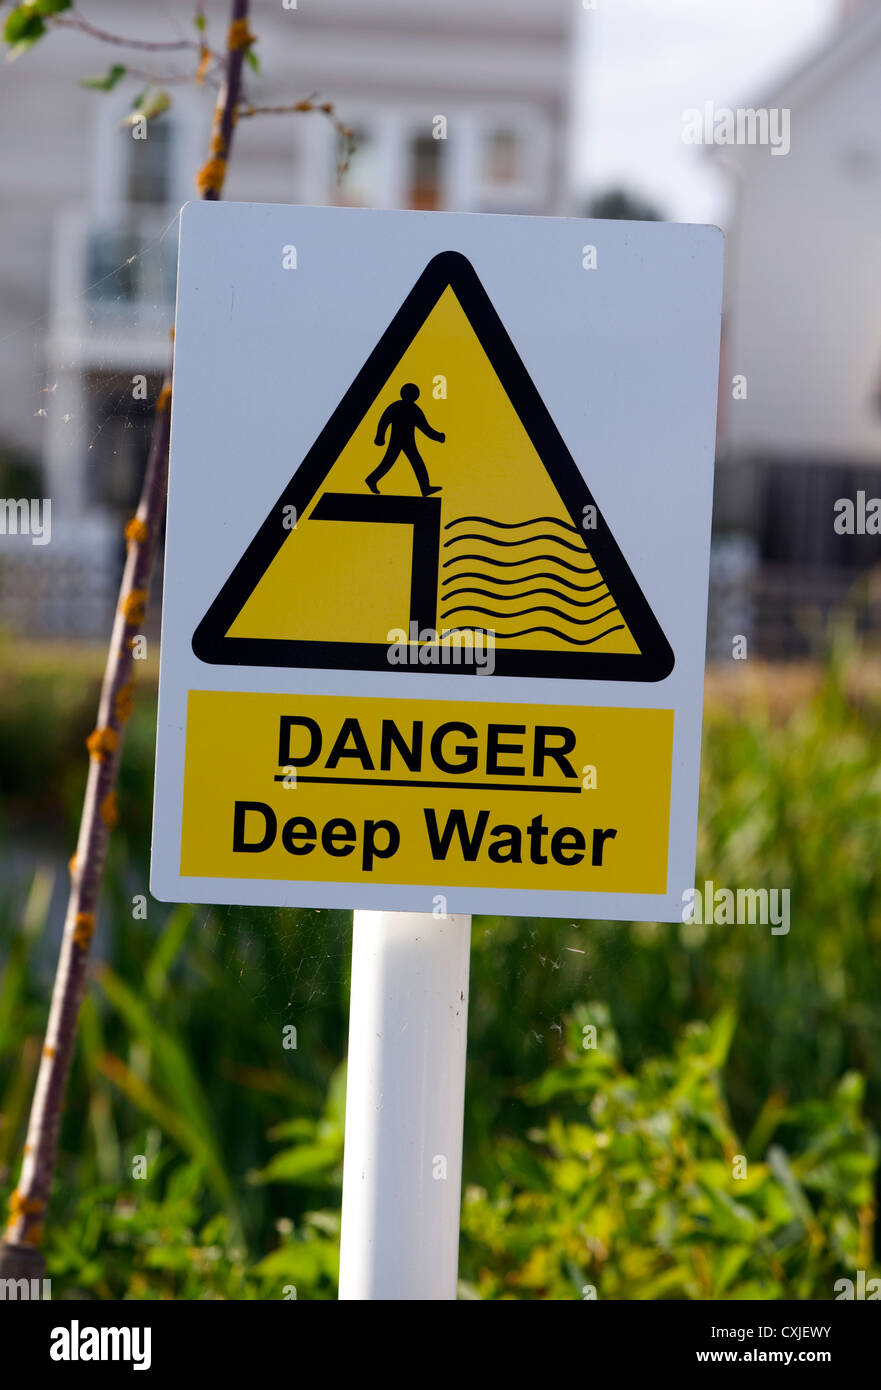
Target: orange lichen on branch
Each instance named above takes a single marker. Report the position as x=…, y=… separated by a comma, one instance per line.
x=211, y=176
x=239, y=36
x=99, y=806
x=20, y=1205
x=305, y=104
x=124, y=702
x=84, y=928
x=72, y=865
x=134, y=607
x=102, y=742
x=204, y=64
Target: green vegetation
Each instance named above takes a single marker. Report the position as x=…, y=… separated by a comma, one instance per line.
x=608, y=1167
x=635, y=1186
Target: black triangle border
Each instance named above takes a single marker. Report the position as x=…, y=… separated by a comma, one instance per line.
x=655, y=660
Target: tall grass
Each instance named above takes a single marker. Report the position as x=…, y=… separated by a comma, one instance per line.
x=182, y=1074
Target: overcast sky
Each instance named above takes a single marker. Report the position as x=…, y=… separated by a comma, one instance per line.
x=643, y=62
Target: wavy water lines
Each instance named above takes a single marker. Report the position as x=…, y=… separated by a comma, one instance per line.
x=574, y=599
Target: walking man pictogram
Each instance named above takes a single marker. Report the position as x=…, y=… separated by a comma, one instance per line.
x=405, y=418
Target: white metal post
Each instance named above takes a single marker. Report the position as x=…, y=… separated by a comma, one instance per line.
x=402, y=1169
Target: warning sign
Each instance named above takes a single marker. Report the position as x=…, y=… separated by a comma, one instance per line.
x=480, y=533
x=436, y=562
x=358, y=790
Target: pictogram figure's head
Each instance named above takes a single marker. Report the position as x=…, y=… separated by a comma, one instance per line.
x=409, y=392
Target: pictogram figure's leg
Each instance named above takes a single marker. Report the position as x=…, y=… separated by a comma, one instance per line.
x=418, y=466
x=382, y=467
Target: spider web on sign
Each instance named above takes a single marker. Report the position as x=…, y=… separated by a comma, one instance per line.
x=286, y=959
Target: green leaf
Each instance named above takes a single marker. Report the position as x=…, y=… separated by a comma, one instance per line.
x=183, y=1096
x=335, y=1106
x=22, y=28
x=782, y=1170
x=148, y=105
x=312, y=1164
x=252, y=60
x=728, y=1265
x=167, y=949
x=105, y=83
x=301, y=1127
x=13, y=979
x=25, y=24
x=300, y=1262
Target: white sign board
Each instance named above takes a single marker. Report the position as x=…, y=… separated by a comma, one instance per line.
x=437, y=562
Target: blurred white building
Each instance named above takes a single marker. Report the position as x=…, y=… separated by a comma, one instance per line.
x=803, y=327
x=88, y=213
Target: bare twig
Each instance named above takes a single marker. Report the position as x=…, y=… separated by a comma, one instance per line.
x=209, y=62
x=76, y=21
x=176, y=79
x=310, y=104
x=19, y=1255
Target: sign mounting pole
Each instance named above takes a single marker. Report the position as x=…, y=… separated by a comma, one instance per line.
x=402, y=1171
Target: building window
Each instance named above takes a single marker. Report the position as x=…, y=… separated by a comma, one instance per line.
x=424, y=173
x=121, y=269
x=515, y=157
x=503, y=157
x=149, y=165
x=120, y=431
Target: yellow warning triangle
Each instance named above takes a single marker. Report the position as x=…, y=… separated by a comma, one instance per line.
x=438, y=505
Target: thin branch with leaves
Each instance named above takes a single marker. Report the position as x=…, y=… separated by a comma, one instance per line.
x=20, y=1254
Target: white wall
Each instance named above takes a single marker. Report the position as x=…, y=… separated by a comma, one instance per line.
x=804, y=279
x=463, y=58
